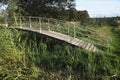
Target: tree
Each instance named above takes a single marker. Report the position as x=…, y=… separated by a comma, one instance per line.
x=83, y=17
x=73, y=14
x=11, y=10
x=4, y=1
x=43, y=8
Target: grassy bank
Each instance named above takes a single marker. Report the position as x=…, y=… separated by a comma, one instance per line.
x=55, y=56
x=42, y=58
x=14, y=64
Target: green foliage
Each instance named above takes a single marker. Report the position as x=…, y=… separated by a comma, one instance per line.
x=83, y=17
x=55, y=59
x=2, y=21
x=104, y=21
x=73, y=14
x=43, y=7
x=54, y=56
x=13, y=62
x=4, y=1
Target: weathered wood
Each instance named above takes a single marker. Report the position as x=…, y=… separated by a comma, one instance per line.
x=66, y=38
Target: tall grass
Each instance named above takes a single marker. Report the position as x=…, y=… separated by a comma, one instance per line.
x=13, y=62
x=56, y=58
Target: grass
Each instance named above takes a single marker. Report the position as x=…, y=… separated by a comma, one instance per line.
x=54, y=57
x=13, y=62
x=42, y=58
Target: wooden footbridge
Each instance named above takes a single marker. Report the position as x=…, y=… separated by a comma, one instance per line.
x=69, y=32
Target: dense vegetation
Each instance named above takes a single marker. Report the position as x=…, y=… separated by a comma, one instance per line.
x=13, y=62
x=59, y=9
x=38, y=57
x=31, y=56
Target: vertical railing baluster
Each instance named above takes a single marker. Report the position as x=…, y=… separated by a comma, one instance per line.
x=30, y=22
x=74, y=31
x=48, y=24
x=107, y=45
x=40, y=24
x=68, y=28
x=57, y=26
x=20, y=22
x=6, y=22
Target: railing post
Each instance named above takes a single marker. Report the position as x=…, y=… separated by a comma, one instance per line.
x=107, y=45
x=48, y=25
x=74, y=31
x=30, y=22
x=6, y=22
x=20, y=22
x=40, y=24
x=68, y=28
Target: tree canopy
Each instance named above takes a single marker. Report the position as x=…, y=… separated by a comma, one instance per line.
x=60, y=9
x=83, y=17
x=40, y=7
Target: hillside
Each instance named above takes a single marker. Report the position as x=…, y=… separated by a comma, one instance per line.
x=38, y=57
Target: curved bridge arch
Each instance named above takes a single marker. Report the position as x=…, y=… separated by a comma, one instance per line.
x=71, y=33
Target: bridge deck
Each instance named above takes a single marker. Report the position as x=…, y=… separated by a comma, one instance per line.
x=66, y=38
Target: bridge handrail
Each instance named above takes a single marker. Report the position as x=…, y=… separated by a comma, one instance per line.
x=74, y=27
x=62, y=21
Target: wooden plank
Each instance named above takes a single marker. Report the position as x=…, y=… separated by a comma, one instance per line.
x=66, y=38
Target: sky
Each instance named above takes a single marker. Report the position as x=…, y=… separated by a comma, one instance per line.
x=2, y=7
x=99, y=8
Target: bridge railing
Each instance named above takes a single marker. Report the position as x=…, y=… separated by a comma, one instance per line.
x=72, y=29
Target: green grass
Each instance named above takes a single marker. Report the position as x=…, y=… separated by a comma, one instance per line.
x=13, y=61
x=56, y=58
x=42, y=58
